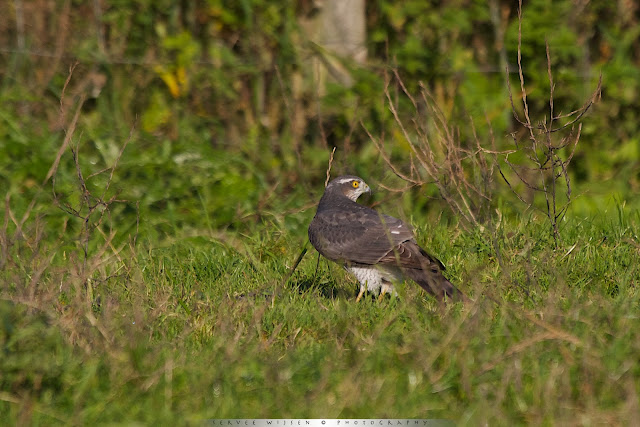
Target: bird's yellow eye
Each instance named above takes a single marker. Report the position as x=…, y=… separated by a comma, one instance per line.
x=355, y=184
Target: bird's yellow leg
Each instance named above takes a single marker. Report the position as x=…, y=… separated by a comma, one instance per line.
x=362, y=289
x=382, y=293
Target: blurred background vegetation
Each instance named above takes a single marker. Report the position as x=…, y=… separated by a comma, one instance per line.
x=160, y=162
x=226, y=122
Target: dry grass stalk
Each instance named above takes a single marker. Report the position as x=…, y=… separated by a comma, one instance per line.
x=61, y=277
x=460, y=171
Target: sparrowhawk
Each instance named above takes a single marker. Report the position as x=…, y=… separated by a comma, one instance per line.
x=377, y=249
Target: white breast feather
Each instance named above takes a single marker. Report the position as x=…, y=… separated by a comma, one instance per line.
x=374, y=279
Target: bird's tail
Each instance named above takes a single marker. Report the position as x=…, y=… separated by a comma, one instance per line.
x=436, y=284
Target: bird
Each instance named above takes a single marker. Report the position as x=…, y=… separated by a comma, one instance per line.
x=377, y=249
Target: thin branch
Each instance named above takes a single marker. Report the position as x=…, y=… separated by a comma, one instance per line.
x=326, y=182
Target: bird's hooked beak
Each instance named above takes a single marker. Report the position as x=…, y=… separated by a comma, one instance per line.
x=364, y=189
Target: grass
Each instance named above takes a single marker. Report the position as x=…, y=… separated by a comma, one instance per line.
x=157, y=292
x=160, y=291
x=205, y=327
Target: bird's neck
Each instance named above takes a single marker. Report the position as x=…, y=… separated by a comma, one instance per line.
x=336, y=200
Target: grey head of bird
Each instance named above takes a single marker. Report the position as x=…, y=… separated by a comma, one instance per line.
x=350, y=186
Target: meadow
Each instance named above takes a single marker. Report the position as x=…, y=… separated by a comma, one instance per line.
x=153, y=229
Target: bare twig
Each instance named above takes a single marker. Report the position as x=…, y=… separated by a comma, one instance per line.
x=547, y=172
x=69, y=133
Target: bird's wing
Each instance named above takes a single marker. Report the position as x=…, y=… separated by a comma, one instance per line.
x=359, y=236
x=409, y=254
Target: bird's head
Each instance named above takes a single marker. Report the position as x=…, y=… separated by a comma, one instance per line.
x=349, y=185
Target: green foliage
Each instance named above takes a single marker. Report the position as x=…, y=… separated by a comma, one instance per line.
x=144, y=281
x=238, y=75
